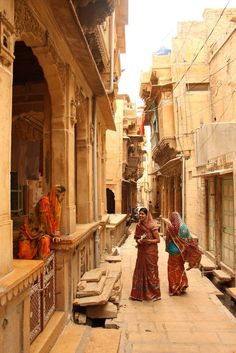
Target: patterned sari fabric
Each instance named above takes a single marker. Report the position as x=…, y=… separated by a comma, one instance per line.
x=37, y=230
x=178, y=281
x=178, y=237
x=146, y=283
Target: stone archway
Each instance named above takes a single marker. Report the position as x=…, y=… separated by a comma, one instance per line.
x=29, y=30
x=35, y=35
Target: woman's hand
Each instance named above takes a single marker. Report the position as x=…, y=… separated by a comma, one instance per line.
x=56, y=239
x=151, y=241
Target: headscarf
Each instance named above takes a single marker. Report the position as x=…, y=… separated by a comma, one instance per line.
x=187, y=247
x=147, y=227
x=176, y=222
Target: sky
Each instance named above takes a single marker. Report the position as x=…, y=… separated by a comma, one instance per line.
x=151, y=25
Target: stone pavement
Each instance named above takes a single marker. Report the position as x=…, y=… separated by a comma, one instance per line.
x=196, y=322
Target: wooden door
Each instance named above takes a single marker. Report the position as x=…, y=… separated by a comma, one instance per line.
x=211, y=216
x=227, y=229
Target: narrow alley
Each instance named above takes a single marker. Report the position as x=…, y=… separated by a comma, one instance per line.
x=196, y=322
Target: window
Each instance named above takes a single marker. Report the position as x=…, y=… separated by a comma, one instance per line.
x=193, y=87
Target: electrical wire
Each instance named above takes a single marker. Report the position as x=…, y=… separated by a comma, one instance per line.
x=205, y=79
x=195, y=57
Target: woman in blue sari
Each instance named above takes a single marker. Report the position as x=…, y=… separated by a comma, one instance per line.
x=181, y=248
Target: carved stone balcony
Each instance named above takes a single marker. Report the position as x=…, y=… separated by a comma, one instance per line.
x=165, y=151
x=94, y=12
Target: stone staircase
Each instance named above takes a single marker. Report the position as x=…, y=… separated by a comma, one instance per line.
x=97, y=297
x=85, y=339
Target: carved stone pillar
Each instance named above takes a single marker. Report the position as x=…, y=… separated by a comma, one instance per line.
x=83, y=155
x=47, y=143
x=6, y=67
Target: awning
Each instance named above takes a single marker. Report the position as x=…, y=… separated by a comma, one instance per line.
x=214, y=172
x=167, y=166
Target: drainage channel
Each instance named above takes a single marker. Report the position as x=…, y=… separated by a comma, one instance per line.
x=225, y=299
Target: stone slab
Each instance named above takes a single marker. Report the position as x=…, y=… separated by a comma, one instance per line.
x=80, y=318
x=112, y=324
x=69, y=339
x=103, y=341
x=102, y=298
x=86, y=289
x=231, y=292
x=93, y=275
x=207, y=264
x=221, y=275
x=107, y=311
x=111, y=258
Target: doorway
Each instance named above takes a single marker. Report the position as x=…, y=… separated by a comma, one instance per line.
x=227, y=226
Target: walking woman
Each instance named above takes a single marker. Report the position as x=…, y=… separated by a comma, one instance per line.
x=181, y=248
x=146, y=283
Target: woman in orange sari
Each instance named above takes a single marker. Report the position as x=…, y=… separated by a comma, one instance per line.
x=42, y=227
x=181, y=248
x=146, y=283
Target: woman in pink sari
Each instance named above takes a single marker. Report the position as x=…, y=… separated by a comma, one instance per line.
x=181, y=248
x=146, y=283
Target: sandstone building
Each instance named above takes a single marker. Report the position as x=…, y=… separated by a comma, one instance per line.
x=59, y=67
x=124, y=162
x=190, y=102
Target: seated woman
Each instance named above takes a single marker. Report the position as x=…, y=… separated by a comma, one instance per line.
x=42, y=227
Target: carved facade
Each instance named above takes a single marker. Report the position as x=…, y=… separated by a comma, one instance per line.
x=122, y=182
x=190, y=109
x=52, y=131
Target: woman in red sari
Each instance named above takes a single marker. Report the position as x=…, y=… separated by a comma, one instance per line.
x=146, y=283
x=181, y=248
x=42, y=227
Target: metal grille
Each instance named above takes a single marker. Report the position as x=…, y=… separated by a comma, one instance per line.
x=42, y=298
x=35, y=310
x=49, y=302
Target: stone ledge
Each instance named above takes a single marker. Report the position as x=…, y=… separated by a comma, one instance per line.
x=82, y=232
x=24, y=273
x=116, y=219
x=221, y=275
x=232, y=292
x=207, y=264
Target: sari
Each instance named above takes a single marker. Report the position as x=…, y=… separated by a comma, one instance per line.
x=181, y=248
x=146, y=283
x=38, y=229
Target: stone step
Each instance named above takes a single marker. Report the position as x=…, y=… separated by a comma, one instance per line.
x=70, y=339
x=93, y=275
x=47, y=338
x=104, y=296
x=86, y=289
x=206, y=264
x=113, y=258
x=221, y=275
x=103, y=341
x=106, y=311
x=232, y=292
x=77, y=338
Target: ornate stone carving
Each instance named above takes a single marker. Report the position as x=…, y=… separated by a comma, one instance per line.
x=78, y=106
x=61, y=66
x=26, y=22
x=73, y=111
x=6, y=42
x=98, y=47
x=92, y=13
